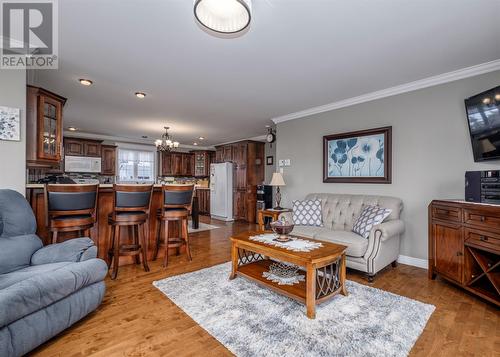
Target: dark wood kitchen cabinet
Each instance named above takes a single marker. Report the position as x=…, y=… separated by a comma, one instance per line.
x=187, y=165
x=176, y=164
x=203, y=195
x=202, y=161
x=464, y=246
x=82, y=147
x=248, y=165
x=44, y=127
x=108, y=163
x=73, y=147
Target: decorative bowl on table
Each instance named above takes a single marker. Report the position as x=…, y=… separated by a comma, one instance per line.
x=282, y=229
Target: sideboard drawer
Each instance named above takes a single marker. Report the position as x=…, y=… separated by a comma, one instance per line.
x=447, y=213
x=483, y=239
x=481, y=218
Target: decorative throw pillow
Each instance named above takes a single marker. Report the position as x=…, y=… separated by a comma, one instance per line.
x=307, y=213
x=370, y=216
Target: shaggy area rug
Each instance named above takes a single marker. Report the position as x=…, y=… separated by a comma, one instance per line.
x=251, y=320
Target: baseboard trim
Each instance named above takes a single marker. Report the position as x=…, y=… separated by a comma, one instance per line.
x=416, y=262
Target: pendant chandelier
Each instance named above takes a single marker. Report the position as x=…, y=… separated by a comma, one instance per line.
x=166, y=143
x=223, y=16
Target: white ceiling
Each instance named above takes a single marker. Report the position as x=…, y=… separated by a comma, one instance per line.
x=297, y=54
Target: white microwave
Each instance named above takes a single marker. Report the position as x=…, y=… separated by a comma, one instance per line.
x=82, y=164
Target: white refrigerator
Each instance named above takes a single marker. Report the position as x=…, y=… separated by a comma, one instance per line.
x=221, y=191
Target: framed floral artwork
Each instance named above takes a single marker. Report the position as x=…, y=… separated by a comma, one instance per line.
x=10, y=124
x=358, y=157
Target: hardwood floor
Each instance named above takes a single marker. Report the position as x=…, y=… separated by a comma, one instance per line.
x=136, y=319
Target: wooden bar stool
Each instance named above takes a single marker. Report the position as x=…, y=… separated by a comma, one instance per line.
x=131, y=206
x=70, y=208
x=177, y=202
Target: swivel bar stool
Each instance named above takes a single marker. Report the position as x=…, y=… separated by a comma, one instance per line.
x=131, y=206
x=70, y=208
x=176, y=207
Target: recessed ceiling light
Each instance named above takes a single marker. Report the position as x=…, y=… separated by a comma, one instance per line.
x=195, y=144
x=72, y=128
x=201, y=138
x=85, y=82
x=140, y=95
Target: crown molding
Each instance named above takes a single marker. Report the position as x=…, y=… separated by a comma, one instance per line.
x=403, y=88
x=253, y=138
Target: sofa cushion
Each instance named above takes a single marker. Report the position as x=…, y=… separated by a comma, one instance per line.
x=307, y=213
x=305, y=231
x=340, y=211
x=39, y=286
x=16, y=252
x=356, y=245
x=16, y=216
x=370, y=216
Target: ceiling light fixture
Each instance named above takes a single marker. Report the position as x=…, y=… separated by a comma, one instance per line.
x=72, y=128
x=85, y=82
x=195, y=144
x=140, y=95
x=166, y=142
x=223, y=16
x=201, y=138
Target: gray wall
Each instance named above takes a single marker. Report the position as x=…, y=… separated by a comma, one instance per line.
x=13, y=153
x=431, y=150
x=270, y=150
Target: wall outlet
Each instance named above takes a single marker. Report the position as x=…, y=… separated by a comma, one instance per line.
x=281, y=163
x=287, y=162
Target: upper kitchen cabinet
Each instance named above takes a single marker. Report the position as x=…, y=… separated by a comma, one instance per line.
x=82, y=147
x=176, y=164
x=202, y=161
x=44, y=127
x=108, y=165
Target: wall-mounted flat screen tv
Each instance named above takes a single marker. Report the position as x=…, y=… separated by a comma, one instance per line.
x=483, y=116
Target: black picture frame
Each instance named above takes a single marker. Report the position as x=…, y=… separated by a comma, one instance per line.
x=387, y=156
x=269, y=160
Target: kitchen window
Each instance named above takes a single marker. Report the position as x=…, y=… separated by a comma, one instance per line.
x=136, y=165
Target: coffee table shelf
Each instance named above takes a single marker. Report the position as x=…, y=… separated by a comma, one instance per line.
x=254, y=272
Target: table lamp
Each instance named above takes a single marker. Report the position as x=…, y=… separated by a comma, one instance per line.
x=277, y=181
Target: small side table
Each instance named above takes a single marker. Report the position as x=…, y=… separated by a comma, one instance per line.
x=269, y=213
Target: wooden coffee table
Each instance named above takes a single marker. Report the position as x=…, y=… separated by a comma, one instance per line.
x=325, y=268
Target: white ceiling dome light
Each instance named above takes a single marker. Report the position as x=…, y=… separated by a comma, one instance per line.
x=224, y=16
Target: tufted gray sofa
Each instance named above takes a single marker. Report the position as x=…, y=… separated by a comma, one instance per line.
x=339, y=214
x=43, y=290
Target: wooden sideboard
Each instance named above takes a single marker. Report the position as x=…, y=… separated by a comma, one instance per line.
x=464, y=246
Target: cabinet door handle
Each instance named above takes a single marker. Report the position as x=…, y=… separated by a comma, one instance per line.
x=482, y=218
x=483, y=238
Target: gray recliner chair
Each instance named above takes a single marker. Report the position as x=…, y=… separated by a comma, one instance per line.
x=43, y=290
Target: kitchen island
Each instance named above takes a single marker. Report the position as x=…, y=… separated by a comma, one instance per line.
x=100, y=233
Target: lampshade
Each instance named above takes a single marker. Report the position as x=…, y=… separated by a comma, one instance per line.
x=225, y=16
x=277, y=180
